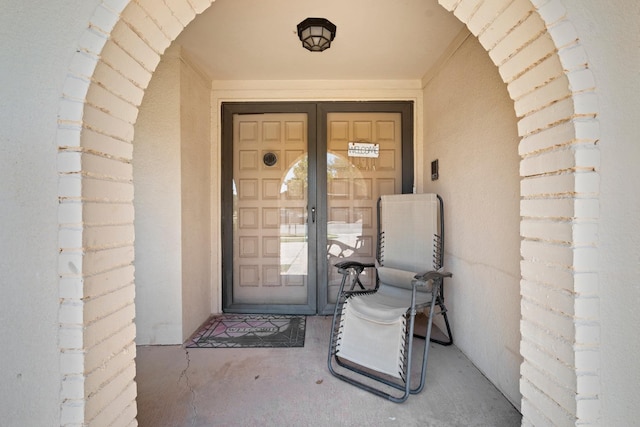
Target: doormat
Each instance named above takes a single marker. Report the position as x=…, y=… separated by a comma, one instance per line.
x=250, y=331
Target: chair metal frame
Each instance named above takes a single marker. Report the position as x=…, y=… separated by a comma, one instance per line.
x=352, y=373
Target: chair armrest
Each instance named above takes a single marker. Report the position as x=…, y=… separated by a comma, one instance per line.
x=423, y=278
x=347, y=268
x=344, y=266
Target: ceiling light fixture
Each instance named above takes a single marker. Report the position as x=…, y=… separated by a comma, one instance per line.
x=316, y=34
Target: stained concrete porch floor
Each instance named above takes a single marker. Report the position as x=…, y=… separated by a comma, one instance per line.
x=292, y=387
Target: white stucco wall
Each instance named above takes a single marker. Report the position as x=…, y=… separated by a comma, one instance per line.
x=158, y=224
x=610, y=34
x=172, y=201
x=470, y=127
x=195, y=149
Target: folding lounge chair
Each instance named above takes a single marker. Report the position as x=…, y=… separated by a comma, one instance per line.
x=372, y=332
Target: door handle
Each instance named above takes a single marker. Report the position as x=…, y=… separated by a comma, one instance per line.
x=313, y=214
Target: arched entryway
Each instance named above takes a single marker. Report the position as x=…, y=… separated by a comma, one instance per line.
x=540, y=59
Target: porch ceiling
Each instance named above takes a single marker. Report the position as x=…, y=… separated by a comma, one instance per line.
x=375, y=39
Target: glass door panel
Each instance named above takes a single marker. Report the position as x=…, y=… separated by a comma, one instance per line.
x=355, y=181
x=270, y=205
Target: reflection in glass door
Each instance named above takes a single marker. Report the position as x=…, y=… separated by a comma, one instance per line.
x=355, y=181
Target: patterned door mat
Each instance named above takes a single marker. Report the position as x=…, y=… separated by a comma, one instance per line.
x=250, y=330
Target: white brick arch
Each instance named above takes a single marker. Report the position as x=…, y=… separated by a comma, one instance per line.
x=538, y=55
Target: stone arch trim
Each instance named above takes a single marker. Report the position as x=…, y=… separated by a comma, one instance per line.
x=540, y=58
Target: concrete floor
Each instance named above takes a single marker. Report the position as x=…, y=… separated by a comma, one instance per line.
x=292, y=387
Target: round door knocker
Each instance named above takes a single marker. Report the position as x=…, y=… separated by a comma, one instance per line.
x=270, y=159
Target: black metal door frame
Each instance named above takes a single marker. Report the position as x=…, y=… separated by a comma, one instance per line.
x=317, y=297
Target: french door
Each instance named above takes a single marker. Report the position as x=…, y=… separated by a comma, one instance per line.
x=299, y=187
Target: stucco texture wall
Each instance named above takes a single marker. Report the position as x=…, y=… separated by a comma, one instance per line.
x=470, y=127
x=195, y=147
x=172, y=180
x=158, y=205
